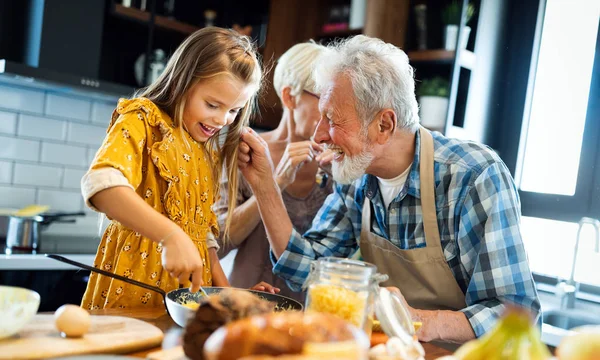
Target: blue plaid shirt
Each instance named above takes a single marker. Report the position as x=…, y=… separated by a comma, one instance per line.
x=478, y=212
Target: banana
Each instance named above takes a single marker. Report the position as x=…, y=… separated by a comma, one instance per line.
x=513, y=337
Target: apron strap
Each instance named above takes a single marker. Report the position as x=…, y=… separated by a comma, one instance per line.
x=430, y=224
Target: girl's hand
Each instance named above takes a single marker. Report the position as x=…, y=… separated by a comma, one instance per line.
x=254, y=159
x=181, y=258
x=263, y=286
x=295, y=156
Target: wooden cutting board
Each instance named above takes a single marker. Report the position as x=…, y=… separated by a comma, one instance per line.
x=39, y=339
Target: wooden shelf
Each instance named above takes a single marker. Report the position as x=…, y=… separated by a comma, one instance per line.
x=160, y=21
x=467, y=58
x=340, y=33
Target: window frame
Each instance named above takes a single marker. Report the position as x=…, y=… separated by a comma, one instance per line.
x=586, y=200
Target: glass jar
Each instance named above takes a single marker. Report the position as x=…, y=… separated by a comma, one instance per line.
x=345, y=288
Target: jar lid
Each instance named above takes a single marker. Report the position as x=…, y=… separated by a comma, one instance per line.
x=393, y=316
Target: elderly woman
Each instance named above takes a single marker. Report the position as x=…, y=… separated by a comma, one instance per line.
x=297, y=159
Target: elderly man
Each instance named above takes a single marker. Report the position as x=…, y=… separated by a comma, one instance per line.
x=438, y=215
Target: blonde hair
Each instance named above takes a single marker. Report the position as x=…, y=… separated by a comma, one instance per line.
x=295, y=68
x=207, y=53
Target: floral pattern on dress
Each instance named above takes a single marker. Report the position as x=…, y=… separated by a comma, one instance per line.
x=163, y=164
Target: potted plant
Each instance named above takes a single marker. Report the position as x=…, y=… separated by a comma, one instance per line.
x=433, y=102
x=451, y=17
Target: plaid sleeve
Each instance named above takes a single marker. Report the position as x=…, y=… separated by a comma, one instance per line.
x=492, y=250
x=331, y=234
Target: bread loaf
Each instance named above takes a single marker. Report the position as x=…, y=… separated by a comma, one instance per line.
x=216, y=311
x=286, y=335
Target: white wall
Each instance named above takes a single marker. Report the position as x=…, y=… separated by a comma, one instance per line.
x=47, y=141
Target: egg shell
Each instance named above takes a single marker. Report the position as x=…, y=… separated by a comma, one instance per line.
x=72, y=320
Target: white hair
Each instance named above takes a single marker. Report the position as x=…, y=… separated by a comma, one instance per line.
x=380, y=74
x=295, y=68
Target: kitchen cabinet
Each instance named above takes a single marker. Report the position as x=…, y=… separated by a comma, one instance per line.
x=56, y=287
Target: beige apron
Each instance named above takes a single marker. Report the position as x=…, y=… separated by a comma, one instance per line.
x=422, y=275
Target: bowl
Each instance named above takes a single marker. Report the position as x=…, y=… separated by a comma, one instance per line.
x=17, y=307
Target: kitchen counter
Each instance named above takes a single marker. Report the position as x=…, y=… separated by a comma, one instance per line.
x=159, y=318
x=41, y=262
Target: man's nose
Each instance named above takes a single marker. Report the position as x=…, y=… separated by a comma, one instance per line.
x=321, y=132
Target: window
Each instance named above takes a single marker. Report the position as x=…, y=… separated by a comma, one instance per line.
x=560, y=97
x=558, y=163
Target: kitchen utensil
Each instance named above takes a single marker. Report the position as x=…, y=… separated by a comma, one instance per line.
x=174, y=300
x=24, y=233
x=39, y=339
x=17, y=306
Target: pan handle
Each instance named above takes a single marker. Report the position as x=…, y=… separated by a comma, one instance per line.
x=114, y=276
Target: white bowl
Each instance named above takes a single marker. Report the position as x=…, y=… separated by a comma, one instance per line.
x=17, y=307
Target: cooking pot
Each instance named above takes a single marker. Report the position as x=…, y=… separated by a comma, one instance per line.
x=24, y=233
x=174, y=300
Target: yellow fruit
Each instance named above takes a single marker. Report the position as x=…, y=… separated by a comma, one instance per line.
x=581, y=346
x=335, y=350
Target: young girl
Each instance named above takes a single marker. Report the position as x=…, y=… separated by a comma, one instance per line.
x=156, y=174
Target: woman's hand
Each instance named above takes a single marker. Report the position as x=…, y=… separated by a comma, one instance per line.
x=295, y=156
x=181, y=258
x=254, y=159
x=263, y=286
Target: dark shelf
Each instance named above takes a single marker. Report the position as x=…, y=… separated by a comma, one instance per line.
x=340, y=33
x=467, y=58
x=160, y=21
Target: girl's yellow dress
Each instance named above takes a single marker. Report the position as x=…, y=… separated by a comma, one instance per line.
x=172, y=173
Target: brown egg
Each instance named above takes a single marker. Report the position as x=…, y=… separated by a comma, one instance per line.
x=72, y=320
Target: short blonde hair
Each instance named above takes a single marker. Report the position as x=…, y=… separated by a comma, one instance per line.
x=295, y=68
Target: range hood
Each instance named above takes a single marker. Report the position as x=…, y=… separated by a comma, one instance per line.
x=55, y=44
x=48, y=79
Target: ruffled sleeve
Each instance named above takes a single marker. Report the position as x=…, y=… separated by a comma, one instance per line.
x=123, y=147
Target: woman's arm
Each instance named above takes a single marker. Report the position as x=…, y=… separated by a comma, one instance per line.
x=218, y=275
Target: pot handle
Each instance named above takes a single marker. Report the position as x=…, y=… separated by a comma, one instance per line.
x=114, y=276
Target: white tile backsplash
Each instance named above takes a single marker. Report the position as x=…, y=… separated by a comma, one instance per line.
x=91, y=154
x=37, y=175
x=19, y=149
x=59, y=200
x=19, y=98
x=86, y=134
x=16, y=198
x=68, y=107
x=6, y=171
x=40, y=127
x=101, y=113
x=72, y=178
x=8, y=122
x=47, y=141
x=64, y=154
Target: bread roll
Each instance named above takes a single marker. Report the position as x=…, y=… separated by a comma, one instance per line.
x=286, y=335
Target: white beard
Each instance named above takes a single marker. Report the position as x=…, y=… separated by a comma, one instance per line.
x=351, y=168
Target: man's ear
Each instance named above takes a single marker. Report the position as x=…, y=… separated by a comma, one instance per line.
x=386, y=125
x=288, y=100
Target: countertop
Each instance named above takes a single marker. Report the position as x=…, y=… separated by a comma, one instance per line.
x=41, y=262
x=159, y=318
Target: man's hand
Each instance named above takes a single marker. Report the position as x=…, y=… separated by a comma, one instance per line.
x=181, y=258
x=295, y=156
x=266, y=287
x=254, y=159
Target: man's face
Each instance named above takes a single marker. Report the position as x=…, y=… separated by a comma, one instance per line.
x=340, y=128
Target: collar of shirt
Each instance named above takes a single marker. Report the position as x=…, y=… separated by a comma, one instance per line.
x=411, y=186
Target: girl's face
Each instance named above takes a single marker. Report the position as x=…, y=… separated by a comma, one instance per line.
x=212, y=104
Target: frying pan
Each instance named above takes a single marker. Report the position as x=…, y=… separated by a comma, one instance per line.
x=175, y=299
